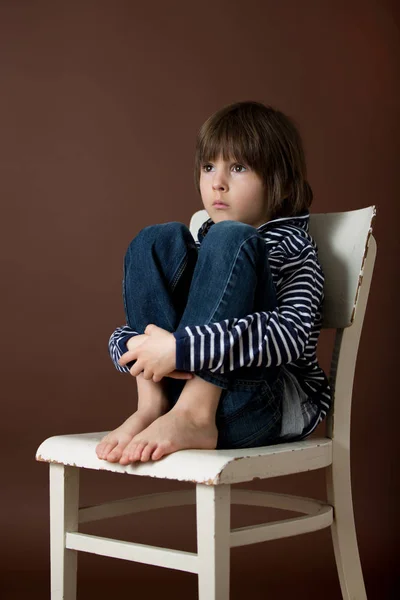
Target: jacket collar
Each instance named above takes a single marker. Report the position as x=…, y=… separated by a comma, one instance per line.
x=301, y=220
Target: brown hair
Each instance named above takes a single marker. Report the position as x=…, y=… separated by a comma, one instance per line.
x=267, y=141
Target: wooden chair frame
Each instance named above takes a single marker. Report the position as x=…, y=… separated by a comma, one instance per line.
x=347, y=253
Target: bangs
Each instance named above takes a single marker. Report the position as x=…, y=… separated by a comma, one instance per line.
x=264, y=139
x=228, y=139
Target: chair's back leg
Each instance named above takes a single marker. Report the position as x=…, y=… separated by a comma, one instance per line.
x=64, y=507
x=343, y=528
x=213, y=505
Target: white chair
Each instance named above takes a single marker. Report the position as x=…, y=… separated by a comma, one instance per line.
x=347, y=252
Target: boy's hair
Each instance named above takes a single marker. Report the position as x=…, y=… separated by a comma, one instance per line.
x=267, y=141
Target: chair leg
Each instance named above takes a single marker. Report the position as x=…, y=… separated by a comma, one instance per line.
x=213, y=505
x=343, y=529
x=64, y=507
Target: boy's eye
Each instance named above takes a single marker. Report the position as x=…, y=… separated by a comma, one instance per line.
x=237, y=165
x=240, y=167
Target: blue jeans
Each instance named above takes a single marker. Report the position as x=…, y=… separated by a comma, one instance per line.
x=170, y=282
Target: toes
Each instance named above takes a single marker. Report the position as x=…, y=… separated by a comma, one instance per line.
x=158, y=453
x=100, y=447
x=100, y=450
x=131, y=451
x=167, y=447
x=125, y=459
x=146, y=454
x=116, y=453
x=137, y=454
x=106, y=449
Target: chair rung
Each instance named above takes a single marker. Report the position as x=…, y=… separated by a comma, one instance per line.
x=265, y=532
x=141, y=553
x=300, y=504
x=129, y=506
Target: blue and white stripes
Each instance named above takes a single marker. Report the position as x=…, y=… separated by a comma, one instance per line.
x=117, y=345
x=286, y=335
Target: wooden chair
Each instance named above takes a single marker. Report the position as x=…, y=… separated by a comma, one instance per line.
x=347, y=252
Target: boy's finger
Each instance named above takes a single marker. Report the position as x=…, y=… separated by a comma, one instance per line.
x=136, y=369
x=127, y=357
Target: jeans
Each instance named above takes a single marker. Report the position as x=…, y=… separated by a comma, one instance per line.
x=172, y=283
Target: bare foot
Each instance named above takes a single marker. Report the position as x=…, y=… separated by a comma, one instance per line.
x=152, y=403
x=176, y=430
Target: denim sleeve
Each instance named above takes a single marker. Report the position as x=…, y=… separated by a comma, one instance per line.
x=117, y=346
x=265, y=338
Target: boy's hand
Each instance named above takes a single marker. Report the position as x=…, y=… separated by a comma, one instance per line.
x=155, y=354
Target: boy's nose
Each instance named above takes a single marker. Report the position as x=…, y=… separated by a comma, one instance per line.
x=219, y=187
x=219, y=183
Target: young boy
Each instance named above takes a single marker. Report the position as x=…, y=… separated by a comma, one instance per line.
x=230, y=321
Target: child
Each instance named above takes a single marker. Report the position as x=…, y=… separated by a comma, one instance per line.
x=222, y=331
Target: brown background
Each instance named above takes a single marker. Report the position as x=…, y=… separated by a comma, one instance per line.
x=99, y=107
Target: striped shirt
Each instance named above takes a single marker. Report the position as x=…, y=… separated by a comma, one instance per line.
x=286, y=335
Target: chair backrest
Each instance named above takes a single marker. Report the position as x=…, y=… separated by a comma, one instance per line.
x=342, y=239
x=346, y=251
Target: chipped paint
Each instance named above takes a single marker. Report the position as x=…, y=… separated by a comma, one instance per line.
x=40, y=458
x=206, y=467
x=360, y=277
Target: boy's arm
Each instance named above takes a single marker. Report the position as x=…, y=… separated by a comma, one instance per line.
x=117, y=346
x=263, y=339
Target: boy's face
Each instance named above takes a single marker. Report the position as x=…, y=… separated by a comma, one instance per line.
x=236, y=185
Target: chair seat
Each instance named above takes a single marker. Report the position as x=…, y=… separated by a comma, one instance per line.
x=210, y=467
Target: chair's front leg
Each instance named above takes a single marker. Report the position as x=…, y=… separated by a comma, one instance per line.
x=213, y=505
x=64, y=507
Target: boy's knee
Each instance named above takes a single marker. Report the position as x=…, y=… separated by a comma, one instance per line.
x=172, y=230
x=231, y=228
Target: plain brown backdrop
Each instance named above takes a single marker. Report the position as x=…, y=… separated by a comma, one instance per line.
x=100, y=103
